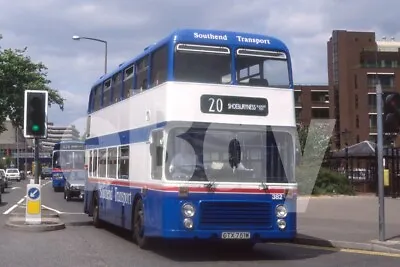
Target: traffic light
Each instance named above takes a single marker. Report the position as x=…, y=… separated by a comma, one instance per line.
x=35, y=114
x=391, y=119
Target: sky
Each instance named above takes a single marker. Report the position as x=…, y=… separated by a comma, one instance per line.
x=46, y=27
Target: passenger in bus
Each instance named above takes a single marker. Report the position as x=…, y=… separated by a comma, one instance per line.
x=144, y=85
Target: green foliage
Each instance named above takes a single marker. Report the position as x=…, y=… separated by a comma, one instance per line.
x=17, y=74
x=328, y=182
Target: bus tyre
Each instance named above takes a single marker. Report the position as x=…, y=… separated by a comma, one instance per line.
x=96, y=211
x=138, y=226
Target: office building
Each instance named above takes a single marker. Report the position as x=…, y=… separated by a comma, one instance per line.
x=57, y=133
x=356, y=60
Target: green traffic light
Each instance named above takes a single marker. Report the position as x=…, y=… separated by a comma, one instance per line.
x=35, y=128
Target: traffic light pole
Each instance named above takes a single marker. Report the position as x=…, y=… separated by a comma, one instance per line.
x=381, y=192
x=36, y=160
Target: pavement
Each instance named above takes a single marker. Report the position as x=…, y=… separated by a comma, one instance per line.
x=81, y=244
x=348, y=222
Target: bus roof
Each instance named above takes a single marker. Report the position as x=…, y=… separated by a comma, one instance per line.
x=210, y=37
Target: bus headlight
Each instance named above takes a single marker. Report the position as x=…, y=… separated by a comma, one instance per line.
x=188, y=210
x=281, y=224
x=281, y=211
x=188, y=223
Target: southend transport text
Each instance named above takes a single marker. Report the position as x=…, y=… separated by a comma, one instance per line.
x=117, y=196
x=241, y=39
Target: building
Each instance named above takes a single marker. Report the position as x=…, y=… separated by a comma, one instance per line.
x=356, y=61
x=311, y=102
x=14, y=145
x=57, y=133
x=12, y=140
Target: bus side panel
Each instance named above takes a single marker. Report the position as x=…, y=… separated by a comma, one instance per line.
x=154, y=213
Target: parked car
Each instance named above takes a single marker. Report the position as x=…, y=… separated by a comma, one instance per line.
x=13, y=174
x=75, y=185
x=3, y=180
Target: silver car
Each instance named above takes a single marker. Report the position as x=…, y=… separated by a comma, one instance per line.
x=13, y=174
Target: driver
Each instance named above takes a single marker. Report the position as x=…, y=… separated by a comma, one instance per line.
x=183, y=164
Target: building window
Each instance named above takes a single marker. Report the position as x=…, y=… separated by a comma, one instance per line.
x=355, y=81
x=356, y=101
x=320, y=113
x=357, y=122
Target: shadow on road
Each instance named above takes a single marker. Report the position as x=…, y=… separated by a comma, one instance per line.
x=2, y=204
x=184, y=251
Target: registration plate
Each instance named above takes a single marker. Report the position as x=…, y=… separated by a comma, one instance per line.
x=236, y=235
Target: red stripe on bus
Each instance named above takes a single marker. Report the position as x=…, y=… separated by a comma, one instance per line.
x=191, y=188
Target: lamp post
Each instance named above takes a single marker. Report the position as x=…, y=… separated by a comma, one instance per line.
x=77, y=38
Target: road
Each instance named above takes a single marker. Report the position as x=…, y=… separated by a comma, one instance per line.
x=87, y=246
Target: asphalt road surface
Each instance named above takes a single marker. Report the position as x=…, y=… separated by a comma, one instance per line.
x=83, y=246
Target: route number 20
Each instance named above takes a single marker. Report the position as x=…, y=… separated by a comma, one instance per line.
x=216, y=105
x=277, y=196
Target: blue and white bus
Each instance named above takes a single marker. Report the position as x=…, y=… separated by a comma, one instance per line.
x=195, y=139
x=66, y=157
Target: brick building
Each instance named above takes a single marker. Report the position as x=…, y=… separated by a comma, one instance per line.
x=311, y=102
x=356, y=61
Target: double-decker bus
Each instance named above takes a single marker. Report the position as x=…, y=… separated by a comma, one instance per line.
x=194, y=139
x=66, y=157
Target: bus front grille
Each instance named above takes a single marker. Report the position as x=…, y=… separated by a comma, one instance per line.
x=235, y=215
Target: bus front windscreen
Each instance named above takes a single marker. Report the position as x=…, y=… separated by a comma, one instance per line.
x=65, y=159
x=230, y=156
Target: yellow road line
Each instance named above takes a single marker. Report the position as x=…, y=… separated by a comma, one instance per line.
x=346, y=250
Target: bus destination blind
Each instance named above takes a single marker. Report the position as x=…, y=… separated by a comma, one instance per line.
x=234, y=105
x=72, y=147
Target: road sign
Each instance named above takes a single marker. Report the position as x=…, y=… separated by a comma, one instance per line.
x=33, y=213
x=34, y=193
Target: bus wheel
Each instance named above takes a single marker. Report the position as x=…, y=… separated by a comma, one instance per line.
x=138, y=226
x=96, y=210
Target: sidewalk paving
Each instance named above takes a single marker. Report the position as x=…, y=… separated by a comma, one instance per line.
x=348, y=222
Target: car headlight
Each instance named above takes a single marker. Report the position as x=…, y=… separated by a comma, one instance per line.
x=188, y=210
x=281, y=224
x=281, y=211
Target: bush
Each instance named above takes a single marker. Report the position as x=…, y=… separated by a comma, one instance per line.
x=327, y=183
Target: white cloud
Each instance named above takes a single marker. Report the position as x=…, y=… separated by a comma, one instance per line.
x=46, y=27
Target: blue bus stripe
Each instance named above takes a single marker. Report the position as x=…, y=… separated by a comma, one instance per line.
x=124, y=137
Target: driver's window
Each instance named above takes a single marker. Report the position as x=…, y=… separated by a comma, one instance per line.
x=156, y=153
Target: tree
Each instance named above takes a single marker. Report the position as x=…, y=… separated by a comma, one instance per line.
x=17, y=74
x=317, y=137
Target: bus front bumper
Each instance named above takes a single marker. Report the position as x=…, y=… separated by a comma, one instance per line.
x=256, y=236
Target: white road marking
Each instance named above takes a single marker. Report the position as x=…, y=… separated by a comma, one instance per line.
x=13, y=188
x=11, y=209
x=21, y=200
x=56, y=211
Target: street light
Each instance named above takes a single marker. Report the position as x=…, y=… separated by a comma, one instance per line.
x=77, y=38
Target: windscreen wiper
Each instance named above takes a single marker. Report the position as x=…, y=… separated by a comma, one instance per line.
x=210, y=186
